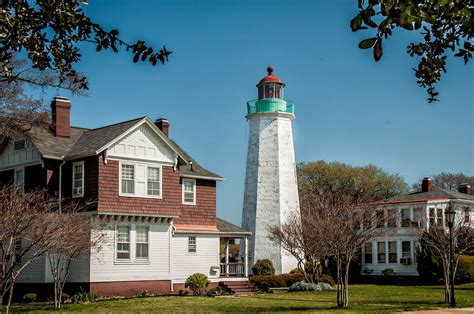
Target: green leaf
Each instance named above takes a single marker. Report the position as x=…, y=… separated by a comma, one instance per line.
x=378, y=50
x=367, y=43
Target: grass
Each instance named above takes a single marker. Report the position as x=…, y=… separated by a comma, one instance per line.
x=362, y=298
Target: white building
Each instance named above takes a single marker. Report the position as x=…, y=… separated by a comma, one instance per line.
x=271, y=192
x=411, y=214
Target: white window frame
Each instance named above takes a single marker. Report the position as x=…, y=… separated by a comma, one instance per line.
x=147, y=165
x=160, y=178
x=81, y=163
x=142, y=259
x=123, y=260
x=194, y=191
x=189, y=245
x=15, y=178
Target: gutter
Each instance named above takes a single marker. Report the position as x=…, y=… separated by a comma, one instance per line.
x=61, y=185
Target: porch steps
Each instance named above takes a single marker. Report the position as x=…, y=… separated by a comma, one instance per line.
x=240, y=287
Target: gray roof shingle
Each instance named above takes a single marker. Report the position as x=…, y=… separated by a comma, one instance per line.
x=227, y=227
x=435, y=193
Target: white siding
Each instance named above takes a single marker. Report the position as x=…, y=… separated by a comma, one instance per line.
x=10, y=158
x=104, y=267
x=142, y=144
x=186, y=264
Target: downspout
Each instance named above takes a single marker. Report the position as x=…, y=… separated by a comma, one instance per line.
x=172, y=229
x=61, y=184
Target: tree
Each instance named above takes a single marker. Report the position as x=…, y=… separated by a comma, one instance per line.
x=72, y=241
x=448, y=180
x=48, y=34
x=437, y=237
x=298, y=238
x=28, y=229
x=444, y=24
x=367, y=183
x=331, y=225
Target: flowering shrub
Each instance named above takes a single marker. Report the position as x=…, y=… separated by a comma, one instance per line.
x=196, y=282
x=307, y=286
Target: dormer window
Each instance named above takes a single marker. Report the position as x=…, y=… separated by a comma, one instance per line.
x=189, y=191
x=19, y=145
x=78, y=179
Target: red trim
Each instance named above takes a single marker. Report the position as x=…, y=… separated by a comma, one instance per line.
x=406, y=201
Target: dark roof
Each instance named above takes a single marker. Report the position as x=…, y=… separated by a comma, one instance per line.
x=226, y=227
x=86, y=142
x=196, y=169
x=95, y=139
x=435, y=193
x=50, y=146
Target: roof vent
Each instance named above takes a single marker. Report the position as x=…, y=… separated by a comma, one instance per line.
x=19, y=145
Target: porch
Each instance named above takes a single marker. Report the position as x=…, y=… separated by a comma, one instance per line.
x=233, y=257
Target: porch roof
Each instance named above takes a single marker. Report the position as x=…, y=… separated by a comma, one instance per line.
x=227, y=228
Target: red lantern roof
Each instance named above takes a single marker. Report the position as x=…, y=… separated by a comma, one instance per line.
x=270, y=78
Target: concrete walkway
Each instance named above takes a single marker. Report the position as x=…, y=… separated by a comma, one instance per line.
x=468, y=310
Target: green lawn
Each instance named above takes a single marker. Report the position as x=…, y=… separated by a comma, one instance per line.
x=363, y=298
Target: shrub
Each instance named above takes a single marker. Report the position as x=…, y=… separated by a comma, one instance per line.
x=263, y=267
x=30, y=297
x=465, y=271
x=429, y=264
x=328, y=279
x=82, y=297
x=295, y=271
x=276, y=281
x=307, y=286
x=388, y=272
x=196, y=282
x=182, y=292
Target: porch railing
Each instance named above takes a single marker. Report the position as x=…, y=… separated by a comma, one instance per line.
x=232, y=269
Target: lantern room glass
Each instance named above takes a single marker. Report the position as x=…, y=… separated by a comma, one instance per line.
x=270, y=90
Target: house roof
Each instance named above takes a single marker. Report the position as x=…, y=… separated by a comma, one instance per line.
x=194, y=170
x=436, y=193
x=88, y=142
x=227, y=227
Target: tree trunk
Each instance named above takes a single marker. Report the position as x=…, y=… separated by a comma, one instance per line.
x=10, y=297
x=346, y=285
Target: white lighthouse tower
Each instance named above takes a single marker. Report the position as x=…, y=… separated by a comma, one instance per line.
x=271, y=193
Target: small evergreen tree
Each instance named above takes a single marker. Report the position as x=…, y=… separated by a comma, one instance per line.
x=263, y=267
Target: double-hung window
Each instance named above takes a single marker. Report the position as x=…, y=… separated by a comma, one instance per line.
x=439, y=216
x=19, y=178
x=406, y=217
x=368, y=253
x=392, y=252
x=467, y=215
x=381, y=253
x=78, y=179
x=153, y=182
x=192, y=246
x=128, y=179
x=142, y=242
x=189, y=191
x=432, y=216
x=123, y=243
x=406, y=249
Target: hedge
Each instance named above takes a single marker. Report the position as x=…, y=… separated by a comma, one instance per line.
x=283, y=280
x=465, y=271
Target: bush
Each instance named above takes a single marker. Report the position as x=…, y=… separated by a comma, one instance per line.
x=196, y=282
x=328, y=279
x=276, y=281
x=295, y=271
x=30, y=297
x=465, y=271
x=307, y=286
x=263, y=267
x=429, y=264
x=388, y=272
x=82, y=297
x=182, y=292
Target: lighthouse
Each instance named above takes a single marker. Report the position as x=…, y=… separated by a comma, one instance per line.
x=271, y=192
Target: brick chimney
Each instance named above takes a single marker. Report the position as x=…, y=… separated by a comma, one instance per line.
x=163, y=125
x=426, y=184
x=465, y=188
x=61, y=116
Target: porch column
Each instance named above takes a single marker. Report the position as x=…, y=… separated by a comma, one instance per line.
x=246, y=256
x=227, y=257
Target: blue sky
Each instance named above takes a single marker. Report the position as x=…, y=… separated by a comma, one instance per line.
x=348, y=108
